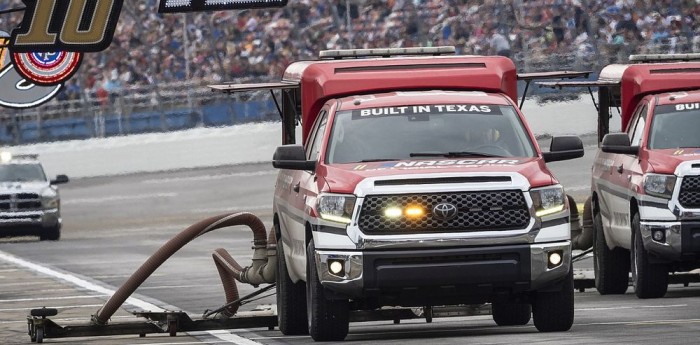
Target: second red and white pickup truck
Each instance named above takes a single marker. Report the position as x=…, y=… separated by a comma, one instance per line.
x=418, y=184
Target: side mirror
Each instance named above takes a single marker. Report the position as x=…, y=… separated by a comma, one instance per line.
x=618, y=143
x=60, y=179
x=563, y=148
x=292, y=157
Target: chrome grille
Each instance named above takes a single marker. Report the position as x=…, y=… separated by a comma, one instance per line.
x=476, y=211
x=690, y=192
x=20, y=202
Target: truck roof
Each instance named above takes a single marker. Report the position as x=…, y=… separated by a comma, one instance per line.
x=677, y=97
x=307, y=85
x=640, y=80
x=634, y=81
x=325, y=79
x=400, y=98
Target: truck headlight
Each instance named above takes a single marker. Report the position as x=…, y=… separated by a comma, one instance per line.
x=659, y=185
x=336, y=208
x=49, y=199
x=548, y=200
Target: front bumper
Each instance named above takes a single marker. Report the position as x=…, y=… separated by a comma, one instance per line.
x=681, y=240
x=28, y=223
x=487, y=270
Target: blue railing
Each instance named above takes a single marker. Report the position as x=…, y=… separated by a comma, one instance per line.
x=224, y=113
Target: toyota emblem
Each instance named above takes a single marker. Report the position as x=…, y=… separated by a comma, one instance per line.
x=445, y=211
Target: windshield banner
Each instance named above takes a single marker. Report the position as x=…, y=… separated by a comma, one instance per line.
x=431, y=109
x=674, y=108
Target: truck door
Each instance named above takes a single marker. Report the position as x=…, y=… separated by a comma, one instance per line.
x=631, y=171
x=625, y=167
x=303, y=196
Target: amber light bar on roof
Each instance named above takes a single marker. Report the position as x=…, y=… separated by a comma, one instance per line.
x=664, y=57
x=384, y=52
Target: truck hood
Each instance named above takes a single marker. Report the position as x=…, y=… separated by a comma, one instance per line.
x=666, y=161
x=23, y=187
x=343, y=178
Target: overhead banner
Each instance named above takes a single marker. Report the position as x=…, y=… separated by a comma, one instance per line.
x=178, y=6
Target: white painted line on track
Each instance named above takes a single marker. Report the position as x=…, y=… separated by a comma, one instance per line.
x=639, y=323
x=68, y=319
x=50, y=298
x=576, y=188
x=171, y=287
x=233, y=338
x=233, y=209
x=634, y=307
x=58, y=307
x=223, y=335
x=75, y=281
x=184, y=343
x=210, y=177
x=114, y=198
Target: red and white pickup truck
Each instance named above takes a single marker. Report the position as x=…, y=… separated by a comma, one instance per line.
x=418, y=184
x=646, y=180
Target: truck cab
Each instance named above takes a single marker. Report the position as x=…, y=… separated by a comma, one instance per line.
x=646, y=179
x=418, y=183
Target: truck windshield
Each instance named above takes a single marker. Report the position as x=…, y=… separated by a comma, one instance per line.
x=450, y=130
x=21, y=173
x=675, y=126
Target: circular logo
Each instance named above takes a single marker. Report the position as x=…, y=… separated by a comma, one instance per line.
x=50, y=68
x=445, y=211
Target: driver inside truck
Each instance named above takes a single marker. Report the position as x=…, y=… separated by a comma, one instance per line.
x=476, y=137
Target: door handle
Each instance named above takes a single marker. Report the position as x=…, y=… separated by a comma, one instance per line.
x=619, y=169
x=296, y=187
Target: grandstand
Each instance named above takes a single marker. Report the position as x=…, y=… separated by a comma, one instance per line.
x=153, y=76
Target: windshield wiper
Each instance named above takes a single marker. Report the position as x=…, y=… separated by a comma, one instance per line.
x=452, y=154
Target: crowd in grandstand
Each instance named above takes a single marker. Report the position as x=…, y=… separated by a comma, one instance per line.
x=151, y=48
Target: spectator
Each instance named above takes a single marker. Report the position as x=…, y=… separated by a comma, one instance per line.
x=499, y=44
x=149, y=47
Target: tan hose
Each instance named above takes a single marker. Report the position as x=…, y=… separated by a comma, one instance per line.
x=229, y=272
x=170, y=248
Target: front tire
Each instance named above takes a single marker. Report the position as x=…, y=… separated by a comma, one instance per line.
x=554, y=311
x=611, y=266
x=51, y=234
x=650, y=280
x=291, y=299
x=328, y=319
x=511, y=314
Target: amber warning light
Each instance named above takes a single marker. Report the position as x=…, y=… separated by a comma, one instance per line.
x=177, y=6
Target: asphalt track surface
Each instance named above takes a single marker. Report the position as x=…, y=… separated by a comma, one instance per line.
x=113, y=224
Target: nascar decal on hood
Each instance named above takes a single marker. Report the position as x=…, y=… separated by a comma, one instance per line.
x=437, y=164
x=430, y=109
